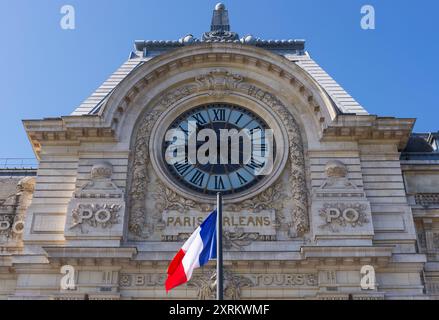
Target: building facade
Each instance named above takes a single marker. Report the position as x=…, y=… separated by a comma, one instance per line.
x=348, y=189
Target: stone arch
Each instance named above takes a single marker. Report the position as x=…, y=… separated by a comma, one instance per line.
x=151, y=78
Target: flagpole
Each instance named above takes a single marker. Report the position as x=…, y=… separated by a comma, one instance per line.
x=219, y=247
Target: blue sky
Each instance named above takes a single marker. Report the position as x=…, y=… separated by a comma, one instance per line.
x=47, y=71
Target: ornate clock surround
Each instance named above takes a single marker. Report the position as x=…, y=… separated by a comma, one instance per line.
x=210, y=87
x=232, y=98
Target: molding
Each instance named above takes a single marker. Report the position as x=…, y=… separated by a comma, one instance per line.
x=92, y=252
x=346, y=252
x=369, y=127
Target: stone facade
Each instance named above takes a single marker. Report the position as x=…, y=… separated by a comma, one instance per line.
x=340, y=197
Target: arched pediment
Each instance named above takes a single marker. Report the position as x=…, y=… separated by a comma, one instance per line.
x=277, y=75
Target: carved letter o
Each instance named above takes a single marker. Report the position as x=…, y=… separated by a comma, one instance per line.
x=103, y=216
x=351, y=215
x=18, y=227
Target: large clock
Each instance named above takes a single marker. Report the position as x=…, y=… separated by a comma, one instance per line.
x=236, y=180
x=227, y=176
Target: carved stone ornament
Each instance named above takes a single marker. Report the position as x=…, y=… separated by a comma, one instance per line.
x=206, y=285
x=100, y=184
x=8, y=208
x=143, y=224
x=422, y=240
x=220, y=36
x=340, y=208
x=26, y=185
x=271, y=198
x=428, y=240
x=99, y=215
x=220, y=27
x=436, y=240
x=297, y=180
x=11, y=226
x=139, y=218
x=170, y=200
x=238, y=239
x=219, y=82
x=97, y=208
x=336, y=169
x=340, y=215
x=13, y=208
x=427, y=199
x=337, y=180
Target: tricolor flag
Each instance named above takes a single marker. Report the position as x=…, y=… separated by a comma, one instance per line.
x=195, y=253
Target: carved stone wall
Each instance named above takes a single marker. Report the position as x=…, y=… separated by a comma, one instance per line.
x=428, y=237
x=96, y=211
x=340, y=209
x=13, y=211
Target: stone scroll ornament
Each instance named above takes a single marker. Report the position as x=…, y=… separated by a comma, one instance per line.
x=143, y=224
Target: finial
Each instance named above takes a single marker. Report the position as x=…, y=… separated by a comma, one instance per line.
x=220, y=7
x=220, y=27
x=220, y=19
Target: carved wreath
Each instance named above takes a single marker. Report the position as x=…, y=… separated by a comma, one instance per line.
x=335, y=224
x=104, y=216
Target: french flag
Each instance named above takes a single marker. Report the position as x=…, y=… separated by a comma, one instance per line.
x=195, y=253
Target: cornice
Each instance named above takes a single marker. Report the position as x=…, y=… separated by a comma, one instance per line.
x=90, y=252
x=67, y=131
x=369, y=127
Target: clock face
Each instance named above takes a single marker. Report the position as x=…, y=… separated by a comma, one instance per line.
x=225, y=175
